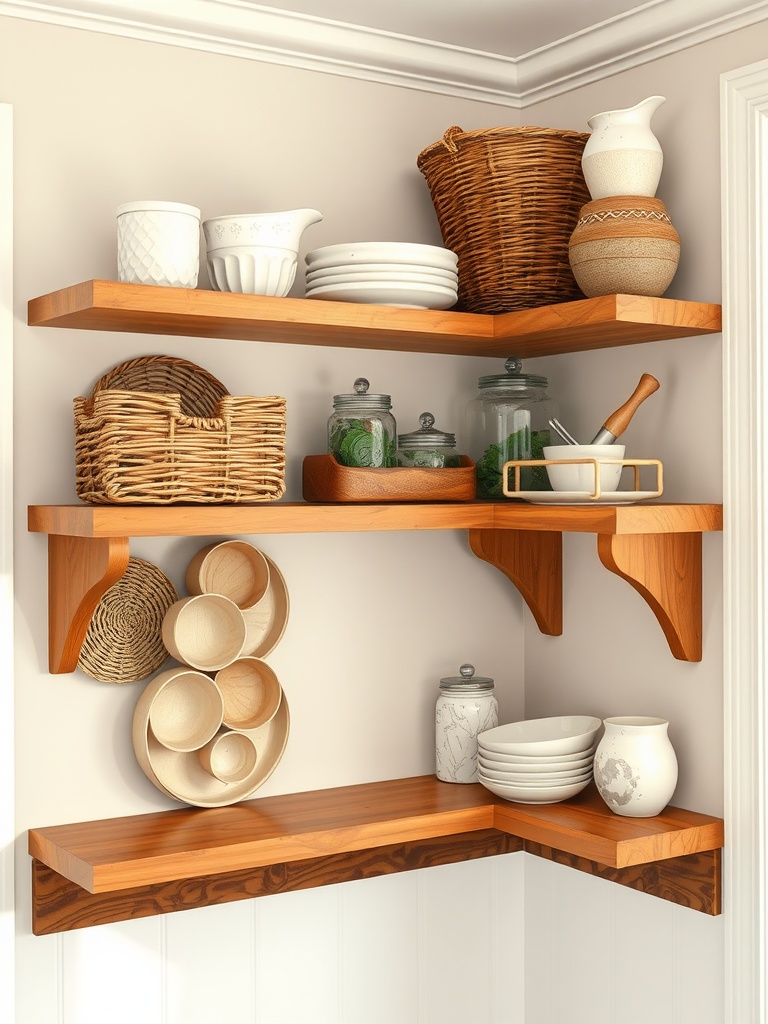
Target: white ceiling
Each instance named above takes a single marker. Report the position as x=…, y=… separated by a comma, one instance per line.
x=509, y=52
x=507, y=27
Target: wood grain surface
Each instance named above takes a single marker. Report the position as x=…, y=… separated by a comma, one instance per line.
x=60, y=905
x=547, y=330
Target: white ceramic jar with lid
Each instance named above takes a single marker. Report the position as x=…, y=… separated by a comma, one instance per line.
x=465, y=708
x=158, y=243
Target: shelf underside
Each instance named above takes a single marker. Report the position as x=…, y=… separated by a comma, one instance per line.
x=122, y=868
x=603, y=322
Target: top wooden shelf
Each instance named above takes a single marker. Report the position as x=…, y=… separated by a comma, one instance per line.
x=604, y=322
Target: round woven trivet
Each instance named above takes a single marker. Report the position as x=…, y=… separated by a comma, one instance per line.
x=124, y=641
x=162, y=375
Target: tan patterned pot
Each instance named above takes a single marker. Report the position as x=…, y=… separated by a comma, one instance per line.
x=624, y=244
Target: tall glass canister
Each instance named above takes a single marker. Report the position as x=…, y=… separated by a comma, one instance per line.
x=509, y=420
x=465, y=708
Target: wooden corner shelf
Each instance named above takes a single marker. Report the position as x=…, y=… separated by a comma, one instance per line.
x=124, y=868
x=655, y=547
x=603, y=322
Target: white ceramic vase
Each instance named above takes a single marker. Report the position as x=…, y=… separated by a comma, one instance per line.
x=158, y=243
x=635, y=766
x=622, y=156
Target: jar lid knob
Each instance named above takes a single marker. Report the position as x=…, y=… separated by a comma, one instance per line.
x=513, y=364
x=426, y=420
x=361, y=385
x=467, y=671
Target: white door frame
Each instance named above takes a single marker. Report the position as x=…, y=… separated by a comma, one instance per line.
x=7, y=681
x=744, y=111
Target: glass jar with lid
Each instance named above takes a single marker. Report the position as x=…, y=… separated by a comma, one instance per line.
x=361, y=429
x=427, y=447
x=509, y=420
x=465, y=707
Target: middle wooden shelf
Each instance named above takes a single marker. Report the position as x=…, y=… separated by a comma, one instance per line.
x=656, y=548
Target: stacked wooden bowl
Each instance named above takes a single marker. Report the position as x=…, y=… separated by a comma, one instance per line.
x=211, y=730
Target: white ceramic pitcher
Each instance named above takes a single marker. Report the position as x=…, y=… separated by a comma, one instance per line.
x=622, y=156
x=281, y=230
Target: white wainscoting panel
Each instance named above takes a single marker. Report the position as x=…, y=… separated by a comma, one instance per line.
x=600, y=951
x=380, y=949
x=114, y=973
x=209, y=965
x=297, y=957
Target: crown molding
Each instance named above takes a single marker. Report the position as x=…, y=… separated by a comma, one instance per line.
x=243, y=29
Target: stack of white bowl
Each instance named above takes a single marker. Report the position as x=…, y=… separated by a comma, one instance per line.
x=539, y=761
x=405, y=274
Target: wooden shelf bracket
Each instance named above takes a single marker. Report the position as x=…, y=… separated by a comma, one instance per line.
x=665, y=568
x=80, y=571
x=533, y=561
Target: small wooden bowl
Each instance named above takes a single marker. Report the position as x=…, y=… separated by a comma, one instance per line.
x=184, y=708
x=233, y=568
x=206, y=631
x=251, y=692
x=229, y=756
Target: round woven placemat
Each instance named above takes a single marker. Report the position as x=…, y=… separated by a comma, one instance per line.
x=162, y=375
x=124, y=640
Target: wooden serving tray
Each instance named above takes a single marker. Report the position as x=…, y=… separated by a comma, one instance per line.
x=325, y=479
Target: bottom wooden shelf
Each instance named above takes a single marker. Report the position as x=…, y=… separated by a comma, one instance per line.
x=124, y=868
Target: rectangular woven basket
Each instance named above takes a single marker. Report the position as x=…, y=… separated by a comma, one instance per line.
x=507, y=201
x=139, y=448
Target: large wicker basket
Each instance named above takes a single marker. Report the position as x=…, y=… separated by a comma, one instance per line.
x=140, y=448
x=507, y=201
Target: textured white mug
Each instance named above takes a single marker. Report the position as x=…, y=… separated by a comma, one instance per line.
x=158, y=243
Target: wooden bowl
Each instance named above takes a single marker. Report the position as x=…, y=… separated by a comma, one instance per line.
x=206, y=631
x=251, y=692
x=229, y=756
x=182, y=777
x=265, y=623
x=184, y=709
x=233, y=568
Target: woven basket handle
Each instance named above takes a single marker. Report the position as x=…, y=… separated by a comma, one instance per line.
x=449, y=139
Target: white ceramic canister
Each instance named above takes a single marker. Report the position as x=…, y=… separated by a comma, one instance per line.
x=622, y=156
x=635, y=766
x=465, y=708
x=158, y=243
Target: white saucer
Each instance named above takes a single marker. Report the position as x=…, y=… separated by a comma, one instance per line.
x=414, y=296
x=583, y=498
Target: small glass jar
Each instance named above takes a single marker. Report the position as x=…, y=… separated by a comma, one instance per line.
x=362, y=430
x=509, y=420
x=427, y=447
x=465, y=708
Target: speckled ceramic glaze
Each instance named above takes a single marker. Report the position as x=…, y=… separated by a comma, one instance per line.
x=624, y=244
x=622, y=155
x=635, y=766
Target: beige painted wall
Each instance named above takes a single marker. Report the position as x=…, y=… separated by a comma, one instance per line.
x=376, y=620
x=99, y=121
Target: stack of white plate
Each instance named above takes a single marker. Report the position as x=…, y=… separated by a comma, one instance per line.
x=539, y=761
x=405, y=274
